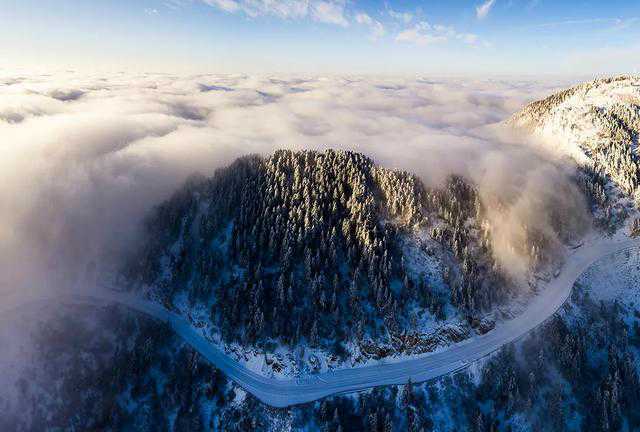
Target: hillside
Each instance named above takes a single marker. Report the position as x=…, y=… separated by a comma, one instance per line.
x=303, y=262
x=596, y=123
x=329, y=251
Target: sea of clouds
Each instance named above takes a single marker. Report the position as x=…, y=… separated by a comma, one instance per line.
x=84, y=158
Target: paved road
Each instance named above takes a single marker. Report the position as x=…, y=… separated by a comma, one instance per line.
x=283, y=393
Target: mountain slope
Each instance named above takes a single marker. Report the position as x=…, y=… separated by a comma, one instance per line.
x=328, y=251
x=597, y=123
x=318, y=247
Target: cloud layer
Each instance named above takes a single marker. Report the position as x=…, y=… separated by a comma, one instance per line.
x=85, y=158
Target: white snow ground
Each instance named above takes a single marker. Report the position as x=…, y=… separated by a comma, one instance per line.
x=615, y=277
x=580, y=121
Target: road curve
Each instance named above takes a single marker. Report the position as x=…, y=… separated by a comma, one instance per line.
x=283, y=393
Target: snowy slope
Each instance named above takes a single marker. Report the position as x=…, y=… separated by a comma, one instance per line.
x=614, y=278
x=596, y=123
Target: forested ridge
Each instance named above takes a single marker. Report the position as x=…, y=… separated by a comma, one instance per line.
x=604, y=116
x=577, y=372
x=313, y=245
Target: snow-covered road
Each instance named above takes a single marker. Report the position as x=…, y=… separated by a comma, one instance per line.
x=283, y=393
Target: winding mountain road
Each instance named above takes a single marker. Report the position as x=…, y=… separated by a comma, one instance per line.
x=283, y=393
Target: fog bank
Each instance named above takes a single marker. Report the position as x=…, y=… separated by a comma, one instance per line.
x=86, y=157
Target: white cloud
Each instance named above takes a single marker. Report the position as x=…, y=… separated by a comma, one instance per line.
x=329, y=12
x=375, y=26
x=415, y=36
x=225, y=5
x=624, y=23
x=483, y=10
x=421, y=34
x=610, y=23
x=574, y=22
x=404, y=17
x=424, y=33
x=447, y=31
x=175, y=4
x=468, y=38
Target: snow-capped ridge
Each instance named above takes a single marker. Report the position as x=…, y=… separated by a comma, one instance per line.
x=596, y=123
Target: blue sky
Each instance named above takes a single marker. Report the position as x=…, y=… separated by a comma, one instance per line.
x=484, y=37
